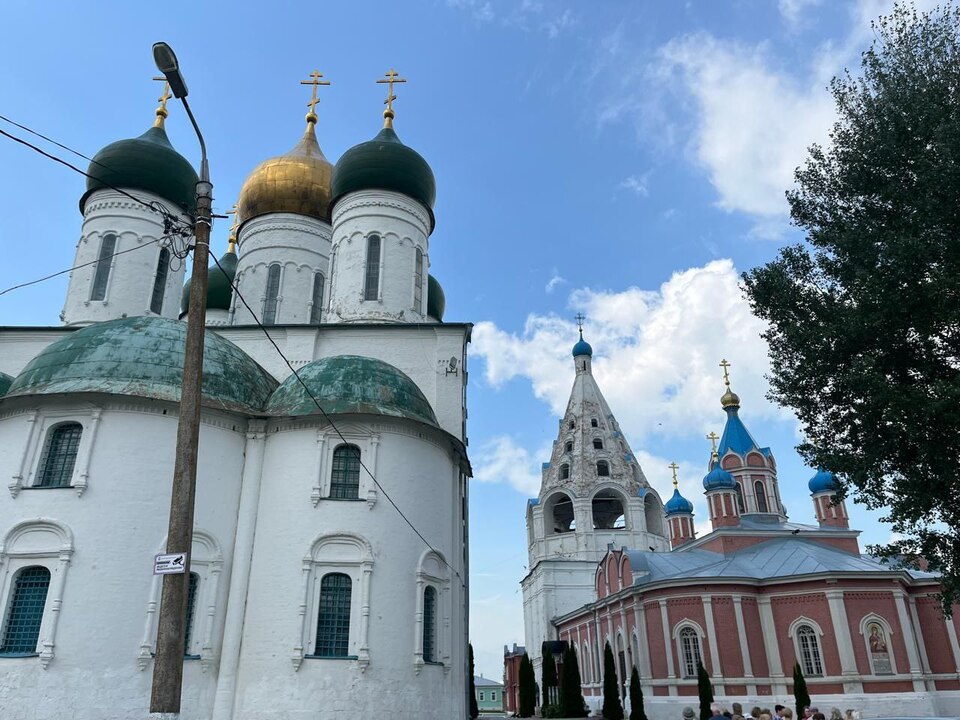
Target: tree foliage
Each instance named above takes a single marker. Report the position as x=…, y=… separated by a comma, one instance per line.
x=474, y=708
x=548, y=677
x=636, y=697
x=864, y=318
x=801, y=697
x=571, y=692
x=528, y=687
x=705, y=691
x=612, y=709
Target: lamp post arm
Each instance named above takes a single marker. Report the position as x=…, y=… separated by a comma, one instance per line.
x=204, y=167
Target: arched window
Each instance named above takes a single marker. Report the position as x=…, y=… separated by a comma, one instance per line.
x=740, y=504
x=564, y=471
x=418, y=283
x=102, y=272
x=594, y=423
x=690, y=655
x=271, y=296
x=160, y=281
x=597, y=444
x=59, y=455
x=809, y=647
x=558, y=514
x=608, y=511
x=429, y=624
x=603, y=468
x=653, y=514
x=333, y=622
x=572, y=424
x=25, y=612
x=371, y=280
x=193, y=585
x=568, y=446
x=316, y=300
x=345, y=476
x=761, y=496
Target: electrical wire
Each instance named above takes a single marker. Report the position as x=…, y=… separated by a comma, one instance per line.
x=50, y=140
x=334, y=425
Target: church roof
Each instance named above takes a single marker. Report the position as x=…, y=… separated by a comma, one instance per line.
x=736, y=437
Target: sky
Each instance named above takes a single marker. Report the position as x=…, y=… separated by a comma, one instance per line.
x=627, y=160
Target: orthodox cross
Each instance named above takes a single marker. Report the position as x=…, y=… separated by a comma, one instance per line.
x=389, y=79
x=232, y=240
x=673, y=466
x=713, y=437
x=580, y=317
x=726, y=375
x=162, y=111
x=316, y=82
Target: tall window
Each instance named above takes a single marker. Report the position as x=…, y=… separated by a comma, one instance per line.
x=690, y=655
x=193, y=585
x=418, y=287
x=740, y=498
x=345, y=478
x=568, y=446
x=25, y=612
x=59, y=455
x=603, y=468
x=102, y=272
x=272, y=296
x=564, y=471
x=597, y=444
x=333, y=623
x=317, y=300
x=809, y=648
x=761, y=496
x=160, y=281
x=593, y=422
x=429, y=624
x=371, y=280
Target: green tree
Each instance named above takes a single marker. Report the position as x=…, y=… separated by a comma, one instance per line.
x=571, y=691
x=864, y=318
x=548, y=678
x=705, y=691
x=474, y=709
x=636, y=697
x=612, y=709
x=800, y=695
x=528, y=687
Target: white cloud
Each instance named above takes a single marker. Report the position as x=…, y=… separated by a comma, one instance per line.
x=555, y=280
x=501, y=460
x=792, y=11
x=637, y=185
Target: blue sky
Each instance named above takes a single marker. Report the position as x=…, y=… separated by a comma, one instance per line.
x=623, y=159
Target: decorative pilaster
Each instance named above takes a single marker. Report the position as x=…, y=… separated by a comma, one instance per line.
x=772, y=647
x=841, y=634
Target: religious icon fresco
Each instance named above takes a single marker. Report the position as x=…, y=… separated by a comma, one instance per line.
x=879, y=656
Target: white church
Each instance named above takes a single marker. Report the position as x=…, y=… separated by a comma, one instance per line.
x=310, y=595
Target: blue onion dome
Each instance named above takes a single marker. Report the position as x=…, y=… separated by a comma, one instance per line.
x=219, y=283
x=143, y=357
x=5, y=381
x=678, y=504
x=719, y=479
x=436, y=300
x=823, y=481
x=582, y=347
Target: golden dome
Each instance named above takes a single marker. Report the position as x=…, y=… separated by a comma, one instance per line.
x=297, y=182
x=730, y=399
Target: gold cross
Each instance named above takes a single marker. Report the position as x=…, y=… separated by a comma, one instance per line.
x=232, y=240
x=391, y=78
x=713, y=437
x=316, y=82
x=162, y=112
x=673, y=466
x=726, y=375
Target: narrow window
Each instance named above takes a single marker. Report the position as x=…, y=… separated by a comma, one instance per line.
x=761, y=496
x=597, y=444
x=603, y=469
x=429, y=624
x=572, y=424
x=740, y=505
x=594, y=423
x=690, y=651
x=809, y=650
x=59, y=455
x=345, y=478
x=193, y=585
x=493, y=696
x=25, y=612
x=333, y=623
x=481, y=695
x=317, y=300
x=271, y=296
x=160, y=282
x=102, y=273
x=564, y=471
x=371, y=283
x=418, y=286
x=568, y=447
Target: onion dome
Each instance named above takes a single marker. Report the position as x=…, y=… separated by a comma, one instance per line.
x=351, y=384
x=436, y=300
x=823, y=481
x=582, y=347
x=719, y=479
x=219, y=283
x=143, y=357
x=5, y=381
x=729, y=399
x=678, y=504
x=297, y=182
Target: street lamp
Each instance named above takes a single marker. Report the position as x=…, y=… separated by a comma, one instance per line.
x=171, y=631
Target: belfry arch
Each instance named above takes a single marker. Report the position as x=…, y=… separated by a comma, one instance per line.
x=608, y=510
x=558, y=516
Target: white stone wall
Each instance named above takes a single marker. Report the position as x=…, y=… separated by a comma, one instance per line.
x=130, y=284
x=300, y=245
x=403, y=226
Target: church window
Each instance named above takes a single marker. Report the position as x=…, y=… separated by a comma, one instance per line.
x=597, y=444
x=333, y=623
x=608, y=511
x=102, y=272
x=740, y=505
x=418, y=283
x=429, y=624
x=25, y=612
x=690, y=654
x=59, y=455
x=371, y=281
x=761, y=496
x=653, y=514
x=316, y=300
x=160, y=281
x=564, y=471
x=193, y=584
x=568, y=446
x=271, y=298
x=345, y=477
x=558, y=514
x=594, y=423
x=809, y=648
x=572, y=424
x=603, y=468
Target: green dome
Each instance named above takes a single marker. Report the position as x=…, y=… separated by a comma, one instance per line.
x=351, y=384
x=149, y=163
x=436, y=300
x=143, y=357
x=219, y=285
x=5, y=381
x=384, y=163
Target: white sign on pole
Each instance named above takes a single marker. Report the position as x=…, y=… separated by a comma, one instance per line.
x=170, y=564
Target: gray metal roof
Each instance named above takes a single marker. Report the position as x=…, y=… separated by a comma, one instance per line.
x=485, y=682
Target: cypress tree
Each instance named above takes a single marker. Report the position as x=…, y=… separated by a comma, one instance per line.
x=612, y=709
x=528, y=687
x=636, y=697
x=800, y=695
x=474, y=708
x=571, y=694
x=705, y=691
x=548, y=676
